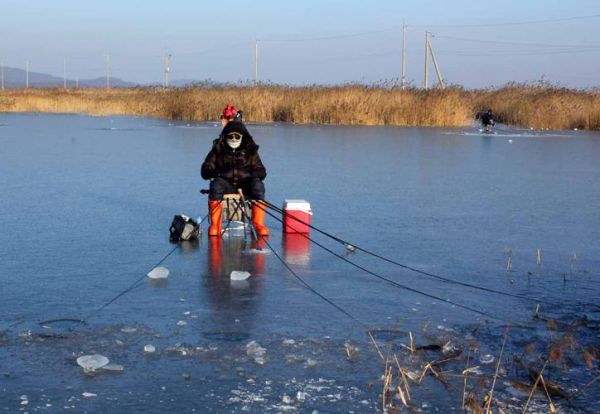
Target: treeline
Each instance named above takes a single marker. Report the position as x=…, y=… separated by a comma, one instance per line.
x=517, y=104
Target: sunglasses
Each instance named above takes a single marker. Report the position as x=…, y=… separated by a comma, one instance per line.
x=234, y=136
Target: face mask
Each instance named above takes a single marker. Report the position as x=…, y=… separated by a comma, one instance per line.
x=234, y=140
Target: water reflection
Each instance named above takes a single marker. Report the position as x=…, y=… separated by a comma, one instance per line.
x=296, y=249
x=234, y=303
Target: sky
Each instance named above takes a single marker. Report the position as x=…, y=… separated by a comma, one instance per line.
x=476, y=43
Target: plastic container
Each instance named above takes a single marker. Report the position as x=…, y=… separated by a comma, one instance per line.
x=296, y=216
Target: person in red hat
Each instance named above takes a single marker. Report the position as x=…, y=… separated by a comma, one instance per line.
x=233, y=163
x=229, y=114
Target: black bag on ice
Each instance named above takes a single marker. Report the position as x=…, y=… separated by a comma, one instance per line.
x=183, y=228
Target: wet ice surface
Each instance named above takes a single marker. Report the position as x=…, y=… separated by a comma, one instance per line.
x=101, y=196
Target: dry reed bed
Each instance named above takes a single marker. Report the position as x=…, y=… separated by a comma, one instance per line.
x=520, y=105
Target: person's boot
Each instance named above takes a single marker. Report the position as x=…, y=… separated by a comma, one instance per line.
x=215, y=208
x=258, y=218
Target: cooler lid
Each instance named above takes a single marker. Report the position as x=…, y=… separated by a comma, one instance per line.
x=301, y=205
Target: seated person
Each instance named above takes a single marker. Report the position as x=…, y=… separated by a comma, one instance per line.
x=233, y=163
x=487, y=119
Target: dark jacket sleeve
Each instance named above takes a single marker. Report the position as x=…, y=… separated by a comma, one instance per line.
x=209, y=166
x=257, y=168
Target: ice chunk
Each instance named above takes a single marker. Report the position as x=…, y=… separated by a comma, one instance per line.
x=310, y=363
x=89, y=394
x=90, y=363
x=239, y=275
x=159, y=273
x=113, y=367
x=256, y=251
x=181, y=323
x=257, y=352
x=128, y=330
x=149, y=348
x=487, y=359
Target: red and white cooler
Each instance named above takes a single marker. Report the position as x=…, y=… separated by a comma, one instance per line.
x=296, y=216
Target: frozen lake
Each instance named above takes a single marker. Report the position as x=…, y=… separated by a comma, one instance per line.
x=85, y=210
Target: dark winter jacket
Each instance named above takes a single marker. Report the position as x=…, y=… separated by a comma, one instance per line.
x=235, y=166
x=487, y=118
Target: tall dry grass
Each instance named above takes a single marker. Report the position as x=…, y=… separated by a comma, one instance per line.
x=521, y=105
x=540, y=106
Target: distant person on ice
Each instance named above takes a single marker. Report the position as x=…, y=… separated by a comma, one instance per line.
x=487, y=119
x=233, y=163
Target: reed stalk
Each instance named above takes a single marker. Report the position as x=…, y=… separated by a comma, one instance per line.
x=515, y=104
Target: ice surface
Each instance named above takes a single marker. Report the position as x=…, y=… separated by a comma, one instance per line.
x=159, y=273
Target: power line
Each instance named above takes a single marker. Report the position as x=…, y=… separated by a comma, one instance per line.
x=524, y=53
x=507, y=42
x=332, y=37
x=524, y=22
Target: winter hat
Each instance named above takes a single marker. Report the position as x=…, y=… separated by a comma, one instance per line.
x=229, y=112
x=234, y=132
x=235, y=126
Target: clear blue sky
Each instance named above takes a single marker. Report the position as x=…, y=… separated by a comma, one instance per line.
x=309, y=41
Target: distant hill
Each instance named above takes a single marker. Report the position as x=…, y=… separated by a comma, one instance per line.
x=16, y=78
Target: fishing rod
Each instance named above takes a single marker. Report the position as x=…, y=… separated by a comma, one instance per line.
x=352, y=246
x=392, y=282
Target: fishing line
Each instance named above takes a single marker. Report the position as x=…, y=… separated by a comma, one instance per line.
x=309, y=287
x=412, y=269
x=123, y=292
x=133, y=285
x=392, y=282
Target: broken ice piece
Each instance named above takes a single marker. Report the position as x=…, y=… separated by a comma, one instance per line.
x=149, y=348
x=487, y=359
x=128, y=330
x=90, y=363
x=159, y=273
x=239, y=275
x=113, y=367
x=88, y=394
x=181, y=323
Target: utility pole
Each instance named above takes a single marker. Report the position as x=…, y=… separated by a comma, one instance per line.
x=65, y=73
x=167, y=69
x=27, y=74
x=426, y=78
x=2, y=75
x=108, y=71
x=77, y=81
x=437, y=68
x=256, y=62
x=403, y=74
